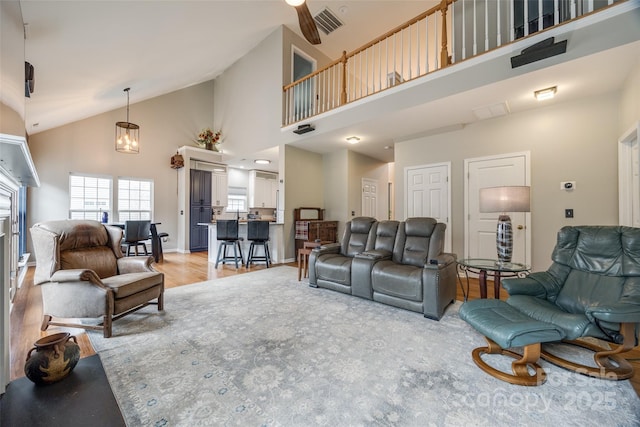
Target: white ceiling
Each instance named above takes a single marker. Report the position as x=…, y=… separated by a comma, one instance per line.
x=86, y=52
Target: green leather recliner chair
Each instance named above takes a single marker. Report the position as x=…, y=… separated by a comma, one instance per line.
x=592, y=289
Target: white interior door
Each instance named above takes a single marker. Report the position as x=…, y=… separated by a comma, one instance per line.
x=370, y=197
x=428, y=194
x=629, y=178
x=480, y=228
x=303, y=95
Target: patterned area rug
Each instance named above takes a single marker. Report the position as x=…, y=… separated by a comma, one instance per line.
x=262, y=349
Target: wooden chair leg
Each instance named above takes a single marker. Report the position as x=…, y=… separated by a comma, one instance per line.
x=106, y=326
x=45, y=322
x=161, y=301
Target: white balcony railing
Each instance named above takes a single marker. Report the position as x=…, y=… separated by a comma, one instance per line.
x=450, y=32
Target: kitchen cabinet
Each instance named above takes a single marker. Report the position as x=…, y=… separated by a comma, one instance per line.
x=263, y=190
x=200, y=209
x=219, y=189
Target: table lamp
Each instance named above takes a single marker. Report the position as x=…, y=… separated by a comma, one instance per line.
x=503, y=200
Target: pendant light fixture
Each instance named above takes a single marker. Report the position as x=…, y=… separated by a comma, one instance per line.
x=127, y=134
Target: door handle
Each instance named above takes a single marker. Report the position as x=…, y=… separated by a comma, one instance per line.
x=520, y=227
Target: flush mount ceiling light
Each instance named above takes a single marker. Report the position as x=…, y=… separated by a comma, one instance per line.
x=544, y=94
x=262, y=161
x=127, y=134
x=353, y=140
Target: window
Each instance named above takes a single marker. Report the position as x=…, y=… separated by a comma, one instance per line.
x=135, y=199
x=90, y=196
x=237, y=199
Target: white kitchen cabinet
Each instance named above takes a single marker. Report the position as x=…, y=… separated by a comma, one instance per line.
x=219, y=189
x=263, y=189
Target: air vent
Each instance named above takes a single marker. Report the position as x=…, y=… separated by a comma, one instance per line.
x=327, y=21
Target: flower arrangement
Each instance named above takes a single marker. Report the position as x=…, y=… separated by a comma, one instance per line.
x=209, y=139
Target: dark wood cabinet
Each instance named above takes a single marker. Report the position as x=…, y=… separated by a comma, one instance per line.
x=200, y=210
x=310, y=227
x=325, y=231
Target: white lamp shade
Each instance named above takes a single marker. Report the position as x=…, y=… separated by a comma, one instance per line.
x=294, y=2
x=505, y=199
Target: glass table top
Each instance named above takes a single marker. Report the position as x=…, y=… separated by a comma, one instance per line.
x=492, y=265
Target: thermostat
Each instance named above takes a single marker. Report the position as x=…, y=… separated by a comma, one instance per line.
x=568, y=185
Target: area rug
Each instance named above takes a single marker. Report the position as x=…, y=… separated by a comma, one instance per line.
x=262, y=349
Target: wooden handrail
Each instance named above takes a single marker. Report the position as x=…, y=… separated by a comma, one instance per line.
x=443, y=6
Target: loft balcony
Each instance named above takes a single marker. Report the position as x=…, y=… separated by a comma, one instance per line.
x=454, y=47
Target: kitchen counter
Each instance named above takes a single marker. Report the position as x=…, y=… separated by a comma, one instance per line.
x=276, y=241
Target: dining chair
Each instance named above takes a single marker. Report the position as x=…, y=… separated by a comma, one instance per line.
x=136, y=233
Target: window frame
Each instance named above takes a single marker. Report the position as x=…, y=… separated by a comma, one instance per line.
x=139, y=214
x=73, y=213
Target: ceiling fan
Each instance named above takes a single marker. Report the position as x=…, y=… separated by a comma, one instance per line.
x=307, y=24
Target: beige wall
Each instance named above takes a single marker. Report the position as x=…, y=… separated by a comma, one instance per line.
x=292, y=39
x=630, y=101
x=343, y=173
x=573, y=141
x=303, y=187
x=248, y=103
x=361, y=166
x=87, y=146
x=336, y=189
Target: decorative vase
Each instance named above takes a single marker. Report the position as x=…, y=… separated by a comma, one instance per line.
x=210, y=146
x=54, y=358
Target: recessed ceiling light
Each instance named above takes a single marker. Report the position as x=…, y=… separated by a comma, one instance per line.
x=262, y=161
x=353, y=140
x=544, y=94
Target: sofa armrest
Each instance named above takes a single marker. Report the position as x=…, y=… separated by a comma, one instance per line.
x=441, y=261
x=540, y=284
x=77, y=275
x=621, y=312
x=331, y=248
x=374, y=255
x=439, y=286
x=135, y=264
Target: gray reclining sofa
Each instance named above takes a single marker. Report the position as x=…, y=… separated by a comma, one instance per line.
x=396, y=263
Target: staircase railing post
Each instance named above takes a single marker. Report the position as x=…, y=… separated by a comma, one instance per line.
x=343, y=92
x=444, y=52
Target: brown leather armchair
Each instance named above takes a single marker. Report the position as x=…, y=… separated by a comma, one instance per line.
x=83, y=274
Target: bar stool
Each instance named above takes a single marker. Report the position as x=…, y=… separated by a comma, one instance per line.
x=258, y=234
x=303, y=257
x=227, y=235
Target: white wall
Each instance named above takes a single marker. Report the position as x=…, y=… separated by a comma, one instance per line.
x=12, y=99
x=574, y=141
x=87, y=146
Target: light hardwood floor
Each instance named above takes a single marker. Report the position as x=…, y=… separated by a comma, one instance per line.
x=179, y=270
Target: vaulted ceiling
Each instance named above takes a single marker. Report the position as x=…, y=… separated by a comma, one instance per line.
x=86, y=52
